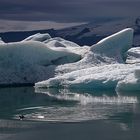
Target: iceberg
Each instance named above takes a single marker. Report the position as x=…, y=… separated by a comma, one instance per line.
x=103, y=66
x=30, y=61
x=49, y=62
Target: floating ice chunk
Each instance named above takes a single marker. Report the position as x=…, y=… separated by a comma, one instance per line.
x=40, y=117
x=102, y=77
x=38, y=37
x=97, y=69
x=32, y=60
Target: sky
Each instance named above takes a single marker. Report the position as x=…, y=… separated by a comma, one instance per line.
x=40, y=14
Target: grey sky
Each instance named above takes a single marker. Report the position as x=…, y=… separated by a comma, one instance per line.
x=67, y=10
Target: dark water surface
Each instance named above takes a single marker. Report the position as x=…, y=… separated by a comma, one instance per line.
x=63, y=114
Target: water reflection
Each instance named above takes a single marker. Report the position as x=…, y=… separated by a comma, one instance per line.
x=69, y=106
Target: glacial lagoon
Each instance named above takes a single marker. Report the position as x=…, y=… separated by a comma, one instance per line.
x=82, y=112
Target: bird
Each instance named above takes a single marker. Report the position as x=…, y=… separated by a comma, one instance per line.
x=21, y=117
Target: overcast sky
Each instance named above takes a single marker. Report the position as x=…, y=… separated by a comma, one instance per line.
x=63, y=12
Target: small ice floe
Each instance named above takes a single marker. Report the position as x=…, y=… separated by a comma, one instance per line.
x=40, y=117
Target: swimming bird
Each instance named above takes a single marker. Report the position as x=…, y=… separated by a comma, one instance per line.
x=21, y=117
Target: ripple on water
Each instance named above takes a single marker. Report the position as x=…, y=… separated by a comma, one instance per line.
x=83, y=107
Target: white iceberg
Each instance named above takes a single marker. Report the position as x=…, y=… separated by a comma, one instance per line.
x=30, y=61
x=102, y=67
x=64, y=64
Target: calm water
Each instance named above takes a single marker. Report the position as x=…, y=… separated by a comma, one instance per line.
x=119, y=112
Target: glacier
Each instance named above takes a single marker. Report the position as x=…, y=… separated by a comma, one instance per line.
x=49, y=62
